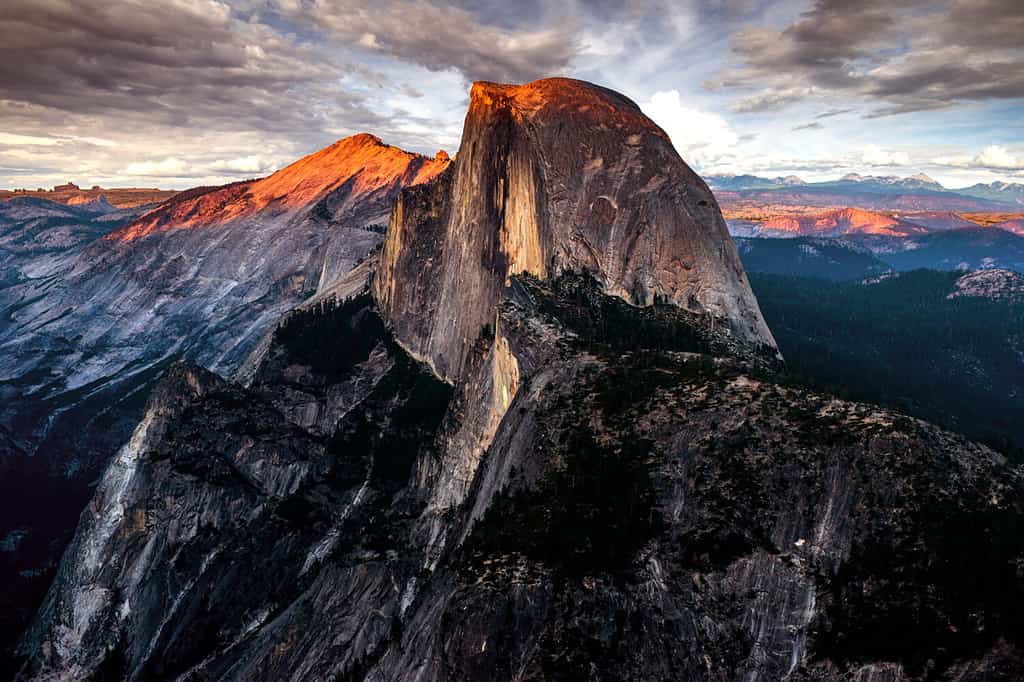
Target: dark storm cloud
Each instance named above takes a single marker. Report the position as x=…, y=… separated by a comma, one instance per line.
x=833, y=112
x=989, y=23
x=496, y=39
x=190, y=62
x=909, y=55
x=475, y=40
x=274, y=64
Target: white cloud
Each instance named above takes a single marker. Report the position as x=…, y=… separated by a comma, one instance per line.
x=243, y=164
x=770, y=100
x=170, y=167
x=701, y=137
x=13, y=139
x=873, y=155
x=994, y=156
x=177, y=167
x=604, y=44
x=95, y=141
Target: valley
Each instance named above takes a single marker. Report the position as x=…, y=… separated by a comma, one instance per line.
x=943, y=346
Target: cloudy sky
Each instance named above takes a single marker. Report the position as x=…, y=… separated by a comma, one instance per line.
x=175, y=93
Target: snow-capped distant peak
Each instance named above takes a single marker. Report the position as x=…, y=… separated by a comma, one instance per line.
x=924, y=178
x=913, y=181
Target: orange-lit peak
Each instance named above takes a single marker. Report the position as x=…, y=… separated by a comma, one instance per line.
x=364, y=156
x=842, y=221
x=581, y=101
x=861, y=217
x=363, y=161
x=86, y=200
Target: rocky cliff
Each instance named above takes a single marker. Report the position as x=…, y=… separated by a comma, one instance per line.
x=640, y=513
x=94, y=308
x=574, y=460
x=556, y=176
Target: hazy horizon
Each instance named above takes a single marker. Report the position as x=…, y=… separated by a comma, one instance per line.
x=88, y=186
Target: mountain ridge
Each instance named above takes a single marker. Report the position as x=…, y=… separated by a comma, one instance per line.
x=915, y=192
x=119, y=197
x=90, y=321
x=362, y=161
x=840, y=222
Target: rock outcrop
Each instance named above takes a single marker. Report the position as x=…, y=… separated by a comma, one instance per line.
x=994, y=284
x=93, y=204
x=534, y=445
x=551, y=177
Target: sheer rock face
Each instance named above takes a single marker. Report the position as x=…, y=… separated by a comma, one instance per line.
x=554, y=176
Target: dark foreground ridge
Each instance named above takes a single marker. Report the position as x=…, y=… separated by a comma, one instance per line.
x=653, y=513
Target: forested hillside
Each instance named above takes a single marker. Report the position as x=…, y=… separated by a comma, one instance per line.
x=902, y=342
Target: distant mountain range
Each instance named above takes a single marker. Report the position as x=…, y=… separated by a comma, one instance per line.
x=900, y=240
x=858, y=256
x=72, y=194
x=844, y=221
x=1007, y=192
x=887, y=184
x=918, y=192
x=741, y=182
